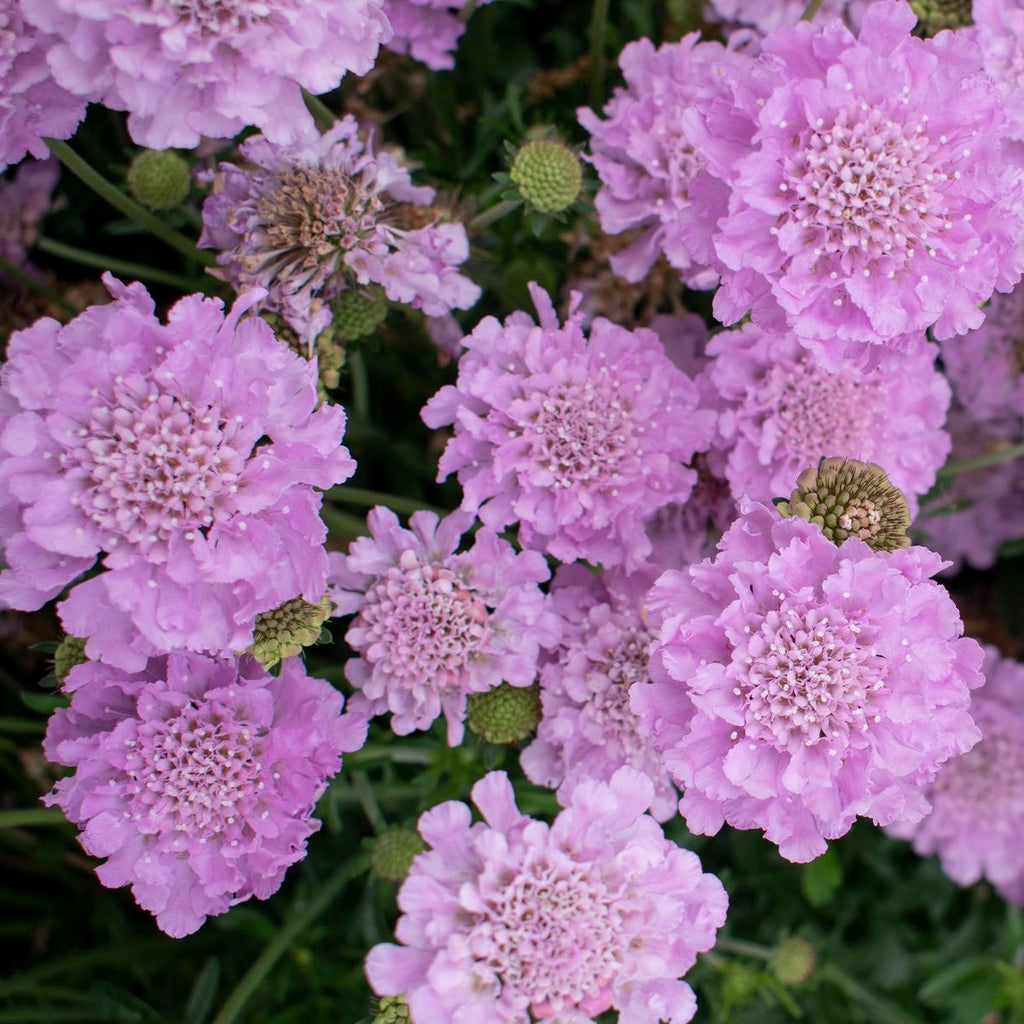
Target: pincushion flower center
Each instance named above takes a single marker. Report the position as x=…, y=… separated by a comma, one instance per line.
x=580, y=433
x=992, y=773
x=424, y=622
x=197, y=772
x=311, y=216
x=155, y=464
x=824, y=413
x=614, y=667
x=864, y=188
x=554, y=933
x=216, y=17
x=808, y=676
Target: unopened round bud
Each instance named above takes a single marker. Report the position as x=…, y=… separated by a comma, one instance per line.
x=392, y=1010
x=284, y=631
x=548, y=175
x=159, y=178
x=935, y=15
x=70, y=652
x=793, y=961
x=848, y=498
x=393, y=853
x=505, y=714
x=359, y=311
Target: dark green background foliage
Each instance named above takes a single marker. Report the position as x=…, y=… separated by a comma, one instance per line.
x=895, y=942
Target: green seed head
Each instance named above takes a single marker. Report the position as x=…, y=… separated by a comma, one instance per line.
x=505, y=714
x=286, y=630
x=935, y=15
x=70, y=652
x=847, y=498
x=548, y=175
x=359, y=311
x=793, y=961
x=392, y=1010
x=393, y=852
x=159, y=178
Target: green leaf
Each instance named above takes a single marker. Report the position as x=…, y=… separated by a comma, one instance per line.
x=204, y=993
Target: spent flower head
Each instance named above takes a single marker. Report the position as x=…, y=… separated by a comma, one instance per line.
x=510, y=916
x=328, y=214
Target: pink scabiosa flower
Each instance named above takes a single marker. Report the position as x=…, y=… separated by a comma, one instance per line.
x=432, y=625
x=32, y=104
x=510, y=917
x=578, y=439
x=645, y=157
x=587, y=729
x=976, y=824
x=429, y=30
x=980, y=508
x=767, y=15
x=986, y=365
x=186, y=455
x=327, y=214
x=24, y=200
x=196, y=778
x=999, y=32
x=187, y=68
x=869, y=193
x=783, y=412
x=798, y=684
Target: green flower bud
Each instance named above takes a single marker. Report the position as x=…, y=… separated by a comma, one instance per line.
x=505, y=714
x=847, y=498
x=284, y=631
x=159, y=178
x=359, y=311
x=70, y=652
x=548, y=175
x=793, y=961
x=393, y=852
x=935, y=15
x=392, y=1010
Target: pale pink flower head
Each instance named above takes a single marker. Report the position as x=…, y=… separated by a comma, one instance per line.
x=999, y=32
x=187, y=456
x=432, y=624
x=986, y=365
x=784, y=412
x=981, y=508
x=798, y=684
x=429, y=30
x=510, y=917
x=32, y=104
x=976, y=824
x=869, y=192
x=327, y=214
x=196, y=778
x=188, y=68
x=577, y=439
x=587, y=729
x=645, y=158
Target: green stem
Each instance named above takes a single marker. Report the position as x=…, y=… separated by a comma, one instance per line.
x=743, y=948
x=125, y=268
x=364, y=794
x=20, y=816
x=360, y=408
x=322, y=114
x=491, y=214
x=264, y=963
x=882, y=1011
x=16, y=272
x=113, y=195
x=811, y=10
x=598, y=31
x=9, y=723
x=357, y=496
x=951, y=469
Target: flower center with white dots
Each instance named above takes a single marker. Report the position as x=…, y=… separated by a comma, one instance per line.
x=554, y=933
x=196, y=773
x=806, y=676
x=155, y=465
x=424, y=624
x=865, y=189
